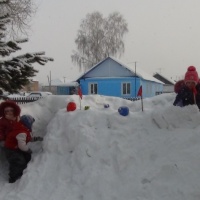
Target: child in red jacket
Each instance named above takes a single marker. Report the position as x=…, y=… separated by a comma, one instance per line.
x=9, y=113
x=18, y=153
x=188, y=90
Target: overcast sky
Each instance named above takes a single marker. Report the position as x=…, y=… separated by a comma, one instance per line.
x=164, y=35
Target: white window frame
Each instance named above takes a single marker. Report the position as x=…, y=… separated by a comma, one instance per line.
x=122, y=88
x=90, y=88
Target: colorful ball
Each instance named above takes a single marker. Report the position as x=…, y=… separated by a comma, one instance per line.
x=106, y=105
x=71, y=106
x=86, y=107
x=123, y=110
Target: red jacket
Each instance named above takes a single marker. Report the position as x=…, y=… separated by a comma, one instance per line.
x=6, y=126
x=11, y=141
x=11, y=104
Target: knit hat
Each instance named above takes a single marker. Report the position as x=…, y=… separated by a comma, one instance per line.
x=12, y=104
x=191, y=75
x=27, y=120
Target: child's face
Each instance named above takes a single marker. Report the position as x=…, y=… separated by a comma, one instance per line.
x=9, y=113
x=190, y=84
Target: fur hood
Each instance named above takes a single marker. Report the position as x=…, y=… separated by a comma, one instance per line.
x=11, y=104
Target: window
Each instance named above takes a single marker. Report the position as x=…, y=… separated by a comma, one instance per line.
x=93, y=88
x=126, y=88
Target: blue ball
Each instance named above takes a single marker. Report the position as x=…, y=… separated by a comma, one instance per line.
x=123, y=110
x=106, y=105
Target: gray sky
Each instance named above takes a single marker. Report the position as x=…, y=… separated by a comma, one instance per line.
x=163, y=34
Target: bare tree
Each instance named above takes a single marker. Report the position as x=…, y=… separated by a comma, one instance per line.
x=20, y=14
x=18, y=71
x=98, y=38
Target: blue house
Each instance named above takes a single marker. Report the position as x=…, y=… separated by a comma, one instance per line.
x=112, y=78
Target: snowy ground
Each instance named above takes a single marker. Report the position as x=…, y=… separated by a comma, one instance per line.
x=97, y=154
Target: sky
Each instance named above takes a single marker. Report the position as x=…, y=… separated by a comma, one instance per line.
x=100, y=154
x=163, y=35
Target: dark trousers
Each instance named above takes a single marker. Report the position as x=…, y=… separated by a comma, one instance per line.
x=18, y=161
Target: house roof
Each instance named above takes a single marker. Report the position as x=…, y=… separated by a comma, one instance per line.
x=59, y=82
x=139, y=72
x=163, y=79
x=73, y=83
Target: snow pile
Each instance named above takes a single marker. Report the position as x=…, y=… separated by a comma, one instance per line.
x=97, y=154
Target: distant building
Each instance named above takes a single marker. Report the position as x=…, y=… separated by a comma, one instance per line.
x=53, y=87
x=32, y=86
x=168, y=86
x=59, y=87
x=113, y=78
x=69, y=88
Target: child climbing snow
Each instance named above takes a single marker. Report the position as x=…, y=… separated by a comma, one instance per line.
x=188, y=90
x=18, y=153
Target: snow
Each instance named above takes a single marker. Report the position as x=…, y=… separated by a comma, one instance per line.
x=139, y=71
x=97, y=154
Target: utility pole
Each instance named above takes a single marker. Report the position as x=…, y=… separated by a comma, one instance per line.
x=64, y=78
x=135, y=79
x=49, y=81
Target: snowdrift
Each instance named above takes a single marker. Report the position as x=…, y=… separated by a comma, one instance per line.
x=97, y=154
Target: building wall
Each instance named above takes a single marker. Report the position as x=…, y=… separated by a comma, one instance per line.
x=113, y=86
x=53, y=89
x=168, y=88
x=33, y=86
x=150, y=88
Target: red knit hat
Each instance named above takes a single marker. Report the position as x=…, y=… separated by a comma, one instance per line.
x=12, y=104
x=191, y=75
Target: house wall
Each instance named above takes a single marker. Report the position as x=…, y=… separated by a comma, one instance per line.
x=168, y=88
x=52, y=89
x=110, y=86
x=113, y=86
x=150, y=88
x=62, y=90
x=66, y=90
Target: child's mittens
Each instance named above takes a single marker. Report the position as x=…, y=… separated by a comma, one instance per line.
x=38, y=138
x=29, y=151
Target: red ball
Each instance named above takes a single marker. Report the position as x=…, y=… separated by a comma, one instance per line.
x=71, y=106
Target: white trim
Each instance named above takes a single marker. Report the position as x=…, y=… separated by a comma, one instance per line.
x=126, y=88
x=89, y=87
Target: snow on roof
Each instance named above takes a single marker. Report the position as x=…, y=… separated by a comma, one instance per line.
x=139, y=71
x=170, y=80
x=73, y=83
x=55, y=82
x=59, y=82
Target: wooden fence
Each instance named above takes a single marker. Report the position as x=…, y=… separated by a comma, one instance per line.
x=24, y=100
x=132, y=98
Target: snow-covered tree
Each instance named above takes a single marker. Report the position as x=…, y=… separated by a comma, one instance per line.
x=15, y=72
x=99, y=38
